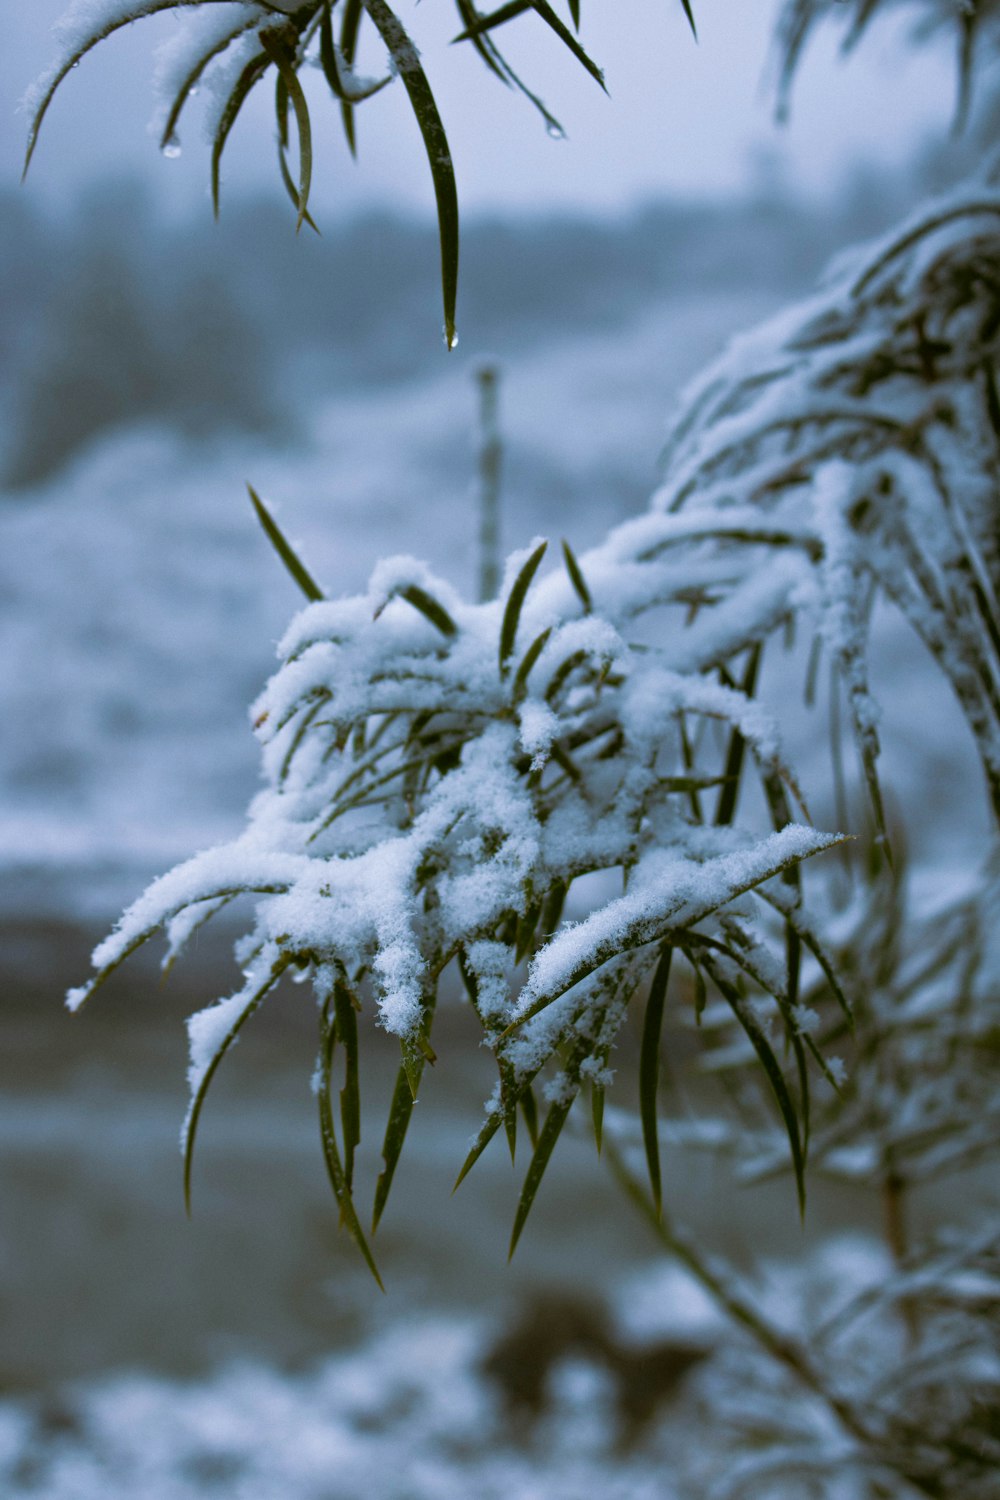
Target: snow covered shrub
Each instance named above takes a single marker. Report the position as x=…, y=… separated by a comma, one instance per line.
x=440, y=778
x=850, y=448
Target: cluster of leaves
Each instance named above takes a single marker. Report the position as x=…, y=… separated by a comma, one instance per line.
x=253, y=39
x=441, y=779
x=858, y=434
x=913, y=1361
x=921, y=1101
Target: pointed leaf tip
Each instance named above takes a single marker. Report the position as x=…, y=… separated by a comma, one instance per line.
x=284, y=549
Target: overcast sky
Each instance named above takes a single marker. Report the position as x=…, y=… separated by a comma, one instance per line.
x=681, y=118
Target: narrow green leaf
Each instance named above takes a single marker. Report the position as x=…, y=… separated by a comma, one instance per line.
x=527, y=926
x=331, y=71
x=597, y=1113
x=407, y=61
x=98, y=35
x=564, y=34
x=351, y=21
x=576, y=577
x=350, y=1094
x=529, y=1110
x=552, y=910
x=292, y=190
x=700, y=990
x=528, y=660
x=508, y=1104
x=649, y=1072
x=515, y=603
x=574, y=10
x=482, y=43
x=550, y=1132
x=429, y=607
x=279, y=57
x=487, y=1131
x=331, y=1154
x=559, y=676
x=250, y=76
x=191, y=80
x=690, y=16
x=772, y=1071
x=284, y=549
x=728, y=796
x=495, y=18
x=191, y=1127
x=400, y=1111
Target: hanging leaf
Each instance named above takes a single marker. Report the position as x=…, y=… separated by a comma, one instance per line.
x=253, y=1003
x=407, y=62
x=279, y=57
x=649, y=1072
x=331, y=1154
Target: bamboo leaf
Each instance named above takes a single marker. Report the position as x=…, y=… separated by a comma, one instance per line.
x=350, y=1094
x=564, y=34
x=772, y=1071
x=550, y=1132
x=576, y=577
x=499, y=17
x=515, y=603
x=528, y=660
x=284, y=549
x=331, y=70
x=649, y=1072
x=690, y=17
x=250, y=76
x=529, y=1110
x=331, y=1155
x=728, y=796
x=597, y=1113
x=191, y=79
x=516, y=8
x=482, y=43
x=400, y=1111
x=430, y=608
x=487, y=1131
x=279, y=57
x=72, y=60
x=407, y=62
x=353, y=11
x=194, y=1115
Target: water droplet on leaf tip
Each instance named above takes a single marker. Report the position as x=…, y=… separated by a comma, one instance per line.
x=450, y=340
x=171, y=148
x=555, y=131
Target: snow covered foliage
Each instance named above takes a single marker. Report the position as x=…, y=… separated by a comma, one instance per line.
x=441, y=777
x=851, y=447
x=227, y=47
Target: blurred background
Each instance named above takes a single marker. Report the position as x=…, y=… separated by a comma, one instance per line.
x=152, y=361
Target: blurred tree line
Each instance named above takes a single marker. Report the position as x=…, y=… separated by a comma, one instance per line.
x=110, y=315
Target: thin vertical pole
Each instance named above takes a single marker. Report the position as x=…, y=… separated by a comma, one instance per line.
x=488, y=379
